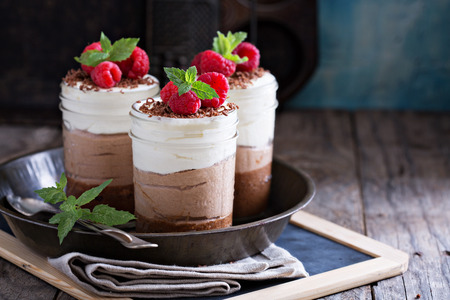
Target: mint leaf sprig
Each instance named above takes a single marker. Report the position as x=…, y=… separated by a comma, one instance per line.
x=187, y=81
x=225, y=45
x=71, y=210
x=118, y=51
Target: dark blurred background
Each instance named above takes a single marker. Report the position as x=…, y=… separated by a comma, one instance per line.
x=43, y=36
x=386, y=54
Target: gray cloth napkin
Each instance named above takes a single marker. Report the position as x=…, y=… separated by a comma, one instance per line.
x=118, y=278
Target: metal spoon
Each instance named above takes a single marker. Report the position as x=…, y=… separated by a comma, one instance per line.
x=31, y=206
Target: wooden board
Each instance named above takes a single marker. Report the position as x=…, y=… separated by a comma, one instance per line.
x=13, y=250
x=386, y=262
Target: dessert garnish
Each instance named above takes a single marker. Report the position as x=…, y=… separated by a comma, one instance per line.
x=106, y=74
x=153, y=107
x=246, y=49
x=228, y=55
x=71, y=208
x=219, y=83
x=242, y=80
x=131, y=61
x=185, y=93
x=167, y=91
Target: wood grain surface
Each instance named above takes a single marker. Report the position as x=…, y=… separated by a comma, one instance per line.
x=382, y=174
x=385, y=174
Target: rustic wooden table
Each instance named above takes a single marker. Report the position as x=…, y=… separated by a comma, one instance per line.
x=383, y=174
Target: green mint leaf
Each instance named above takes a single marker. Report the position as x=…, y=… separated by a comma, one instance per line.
x=186, y=81
x=110, y=216
x=236, y=58
x=92, y=58
x=65, y=221
x=54, y=194
x=69, y=205
x=62, y=182
x=91, y=194
x=191, y=75
x=221, y=44
x=105, y=43
x=71, y=209
x=122, y=49
x=224, y=45
x=184, y=88
x=118, y=51
x=204, y=91
x=51, y=195
x=236, y=38
x=177, y=76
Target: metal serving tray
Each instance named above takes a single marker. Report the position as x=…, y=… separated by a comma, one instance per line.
x=291, y=190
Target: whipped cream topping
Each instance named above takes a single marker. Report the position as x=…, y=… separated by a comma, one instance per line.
x=166, y=145
x=257, y=104
x=103, y=111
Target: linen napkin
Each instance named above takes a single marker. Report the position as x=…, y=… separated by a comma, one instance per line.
x=119, y=278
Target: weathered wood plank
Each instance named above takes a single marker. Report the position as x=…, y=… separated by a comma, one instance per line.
x=321, y=143
x=31, y=287
x=22, y=256
x=405, y=173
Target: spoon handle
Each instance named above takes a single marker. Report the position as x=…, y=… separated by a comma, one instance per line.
x=126, y=239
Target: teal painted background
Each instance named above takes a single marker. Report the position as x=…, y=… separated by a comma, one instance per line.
x=385, y=54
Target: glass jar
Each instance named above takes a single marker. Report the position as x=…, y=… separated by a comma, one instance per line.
x=96, y=142
x=257, y=103
x=183, y=171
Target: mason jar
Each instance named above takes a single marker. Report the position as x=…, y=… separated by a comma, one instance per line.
x=183, y=171
x=96, y=144
x=257, y=103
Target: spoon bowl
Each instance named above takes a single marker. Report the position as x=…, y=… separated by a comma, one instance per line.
x=30, y=206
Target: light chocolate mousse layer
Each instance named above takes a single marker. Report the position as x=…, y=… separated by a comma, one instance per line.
x=162, y=200
x=91, y=159
x=253, y=179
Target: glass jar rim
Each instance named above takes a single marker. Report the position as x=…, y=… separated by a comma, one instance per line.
x=134, y=112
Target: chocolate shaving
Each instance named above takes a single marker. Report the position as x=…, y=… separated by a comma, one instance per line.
x=244, y=79
x=155, y=108
x=73, y=77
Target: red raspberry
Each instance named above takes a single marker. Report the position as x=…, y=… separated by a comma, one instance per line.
x=167, y=91
x=93, y=46
x=196, y=62
x=106, y=74
x=218, y=82
x=249, y=50
x=186, y=104
x=214, y=62
x=135, y=66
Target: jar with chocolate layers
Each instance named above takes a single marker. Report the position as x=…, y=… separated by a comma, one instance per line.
x=96, y=144
x=256, y=98
x=183, y=168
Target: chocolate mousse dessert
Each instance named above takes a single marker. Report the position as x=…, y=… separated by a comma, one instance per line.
x=253, y=89
x=184, y=146
x=255, y=92
x=95, y=103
